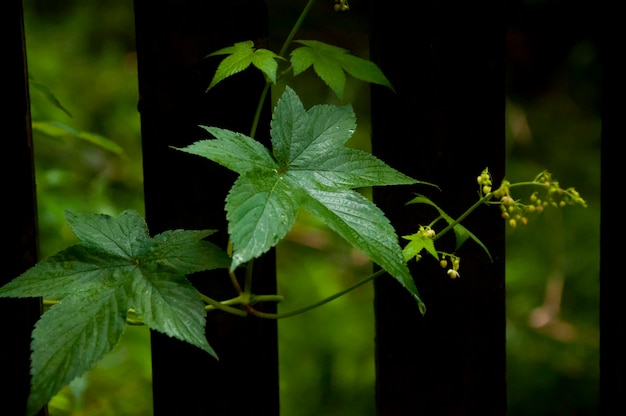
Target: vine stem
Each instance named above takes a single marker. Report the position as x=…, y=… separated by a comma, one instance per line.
x=529, y=183
x=295, y=28
x=247, y=289
x=471, y=209
x=255, y=123
x=223, y=306
x=259, y=108
x=319, y=303
x=282, y=54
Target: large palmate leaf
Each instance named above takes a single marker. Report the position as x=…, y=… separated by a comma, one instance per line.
x=310, y=168
x=330, y=62
x=116, y=267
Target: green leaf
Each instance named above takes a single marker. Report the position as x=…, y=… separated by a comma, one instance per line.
x=418, y=242
x=261, y=208
x=240, y=56
x=364, y=225
x=71, y=337
x=329, y=63
x=49, y=95
x=56, y=129
x=234, y=151
x=116, y=267
x=461, y=233
x=309, y=168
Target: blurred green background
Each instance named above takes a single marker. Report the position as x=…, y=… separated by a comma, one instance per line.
x=83, y=52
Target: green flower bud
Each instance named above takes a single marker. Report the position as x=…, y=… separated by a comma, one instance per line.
x=453, y=274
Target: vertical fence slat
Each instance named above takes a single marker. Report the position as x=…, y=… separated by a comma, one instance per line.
x=612, y=322
x=20, y=250
x=444, y=125
x=185, y=191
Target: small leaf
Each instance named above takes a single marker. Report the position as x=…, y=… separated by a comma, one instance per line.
x=461, y=233
x=329, y=63
x=240, y=56
x=417, y=243
x=265, y=60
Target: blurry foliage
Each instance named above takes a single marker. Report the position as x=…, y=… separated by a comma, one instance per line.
x=327, y=354
x=552, y=268
x=84, y=53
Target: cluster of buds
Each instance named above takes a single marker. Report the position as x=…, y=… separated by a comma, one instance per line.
x=453, y=271
x=555, y=196
x=341, y=5
x=515, y=212
x=426, y=232
x=484, y=181
x=550, y=195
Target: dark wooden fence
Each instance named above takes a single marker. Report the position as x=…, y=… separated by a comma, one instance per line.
x=445, y=122
x=447, y=117
x=19, y=251
x=171, y=39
